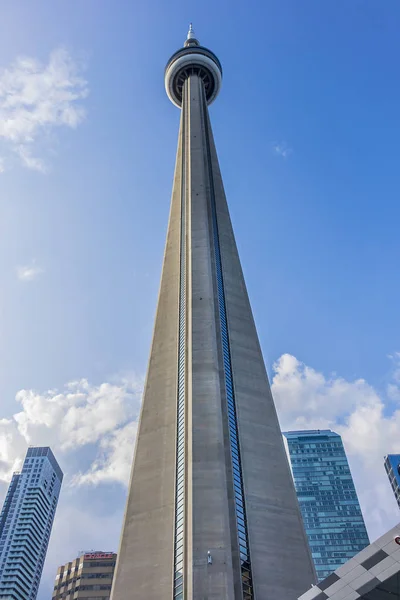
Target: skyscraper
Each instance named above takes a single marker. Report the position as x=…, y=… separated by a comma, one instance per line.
x=88, y=576
x=328, y=499
x=392, y=466
x=25, y=524
x=211, y=510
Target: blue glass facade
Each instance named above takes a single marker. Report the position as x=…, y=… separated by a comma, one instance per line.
x=25, y=524
x=328, y=499
x=392, y=466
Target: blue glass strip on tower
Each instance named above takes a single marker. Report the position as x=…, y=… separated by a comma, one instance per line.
x=241, y=521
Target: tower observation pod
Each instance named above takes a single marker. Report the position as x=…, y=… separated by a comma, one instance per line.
x=192, y=60
x=211, y=512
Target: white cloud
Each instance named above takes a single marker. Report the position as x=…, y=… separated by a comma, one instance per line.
x=81, y=415
x=114, y=460
x=303, y=393
x=12, y=449
x=28, y=272
x=306, y=399
x=282, y=149
x=29, y=161
x=34, y=98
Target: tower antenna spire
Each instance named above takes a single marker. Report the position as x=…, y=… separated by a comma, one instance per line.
x=190, y=34
x=191, y=39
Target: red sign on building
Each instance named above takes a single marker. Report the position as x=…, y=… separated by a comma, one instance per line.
x=98, y=555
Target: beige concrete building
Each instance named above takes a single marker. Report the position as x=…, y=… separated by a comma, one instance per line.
x=87, y=577
x=212, y=513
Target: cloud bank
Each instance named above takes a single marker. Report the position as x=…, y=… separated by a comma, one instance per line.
x=100, y=418
x=34, y=99
x=92, y=430
x=103, y=419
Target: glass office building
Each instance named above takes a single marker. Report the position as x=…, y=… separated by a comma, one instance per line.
x=392, y=466
x=328, y=499
x=25, y=524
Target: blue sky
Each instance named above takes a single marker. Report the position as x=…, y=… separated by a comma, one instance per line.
x=307, y=132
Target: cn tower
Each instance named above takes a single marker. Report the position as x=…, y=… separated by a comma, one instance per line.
x=211, y=512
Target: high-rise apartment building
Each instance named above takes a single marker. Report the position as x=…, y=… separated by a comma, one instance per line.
x=327, y=497
x=25, y=524
x=392, y=466
x=211, y=510
x=87, y=577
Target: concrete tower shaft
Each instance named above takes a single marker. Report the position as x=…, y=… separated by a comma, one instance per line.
x=211, y=510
